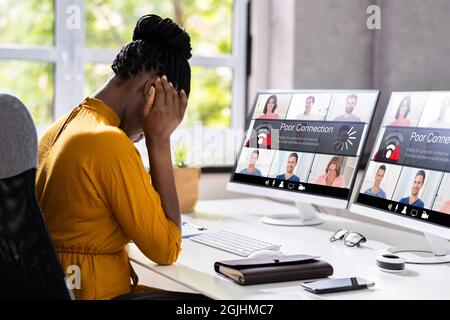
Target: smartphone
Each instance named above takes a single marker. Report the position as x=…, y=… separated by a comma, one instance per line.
x=336, y=285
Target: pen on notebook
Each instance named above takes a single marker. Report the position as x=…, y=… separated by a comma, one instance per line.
x=194, y=226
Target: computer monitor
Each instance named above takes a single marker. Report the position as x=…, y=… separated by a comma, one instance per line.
x=304, y=146
x=407, y=181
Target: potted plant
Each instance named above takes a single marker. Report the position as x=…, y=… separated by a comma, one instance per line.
x=186, y=180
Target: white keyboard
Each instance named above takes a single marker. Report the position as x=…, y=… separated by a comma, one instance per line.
x=235, y=243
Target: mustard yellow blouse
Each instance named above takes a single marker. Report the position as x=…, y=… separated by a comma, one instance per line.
x=96, y=196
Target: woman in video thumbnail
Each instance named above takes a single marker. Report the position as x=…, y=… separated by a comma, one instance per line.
x=376, y=190
x=401, y=117
x=290, y=167
x=332, y=176
x=269, y=108
x=251, y=169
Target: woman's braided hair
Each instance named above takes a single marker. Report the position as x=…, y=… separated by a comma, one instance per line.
x=160, y=46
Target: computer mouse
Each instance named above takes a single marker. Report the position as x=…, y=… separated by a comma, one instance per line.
x=265, y=253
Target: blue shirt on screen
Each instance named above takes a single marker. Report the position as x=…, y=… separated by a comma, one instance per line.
x=294, y=178
x=256, y=173
x=418, y=203
x=379, y=194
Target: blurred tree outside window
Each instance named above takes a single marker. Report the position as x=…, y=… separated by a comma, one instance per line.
x=110, y=24
x=26, y=22
x=36, y=93
x=30, y=56
x=31, y=81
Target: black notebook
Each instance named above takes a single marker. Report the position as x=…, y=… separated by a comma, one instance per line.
x=274, y=269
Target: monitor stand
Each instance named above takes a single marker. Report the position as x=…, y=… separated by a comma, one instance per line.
x=307, y=217
x=437, y=246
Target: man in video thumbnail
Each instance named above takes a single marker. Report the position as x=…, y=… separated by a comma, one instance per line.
x=309, y=104
x=413, y=199
x=251, y=169
x=350, y=105
x=376, y=190
x=290, y=167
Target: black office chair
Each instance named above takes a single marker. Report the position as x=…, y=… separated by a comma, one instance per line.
x=29, y=266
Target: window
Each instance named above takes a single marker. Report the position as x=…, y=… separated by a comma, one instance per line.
x=36, y=28
x=110, y=23
x=36, y=21
x=37, y=94
x=64, y=50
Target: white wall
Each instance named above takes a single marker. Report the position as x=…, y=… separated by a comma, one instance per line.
x=272, y=30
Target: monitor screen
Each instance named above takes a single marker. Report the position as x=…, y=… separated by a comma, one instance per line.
x=409, y=169
x=306, y=142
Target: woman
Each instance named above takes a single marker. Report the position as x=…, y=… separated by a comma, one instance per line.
x=251, y=169
x=402, y=113
x=332, y=176
x=376, y=190
x=269, y=108
x=91, y=182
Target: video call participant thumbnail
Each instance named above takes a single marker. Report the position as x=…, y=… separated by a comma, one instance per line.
x=332, y=176
x=308, y=112
x=309, y=107
x=290, y=167
x=413, y=199
x=442, y=120
x=376, y=190
x=350, y=105
x=309, y=104
x=251, y=169
x=269, y=111
x=401, y=116
x=442, y=200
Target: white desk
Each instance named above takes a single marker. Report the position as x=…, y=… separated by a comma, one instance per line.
x=194, y=268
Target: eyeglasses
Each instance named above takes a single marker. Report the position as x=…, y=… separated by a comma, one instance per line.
x=351, y=239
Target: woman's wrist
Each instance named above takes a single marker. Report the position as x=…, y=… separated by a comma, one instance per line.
x=157, y=143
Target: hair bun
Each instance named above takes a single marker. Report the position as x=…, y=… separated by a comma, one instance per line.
x=164, y=32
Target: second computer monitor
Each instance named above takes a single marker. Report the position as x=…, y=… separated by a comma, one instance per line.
x=305, y=145
x=407, y=180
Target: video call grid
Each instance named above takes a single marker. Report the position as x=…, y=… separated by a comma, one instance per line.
x=421, y=126
x=315, y=154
